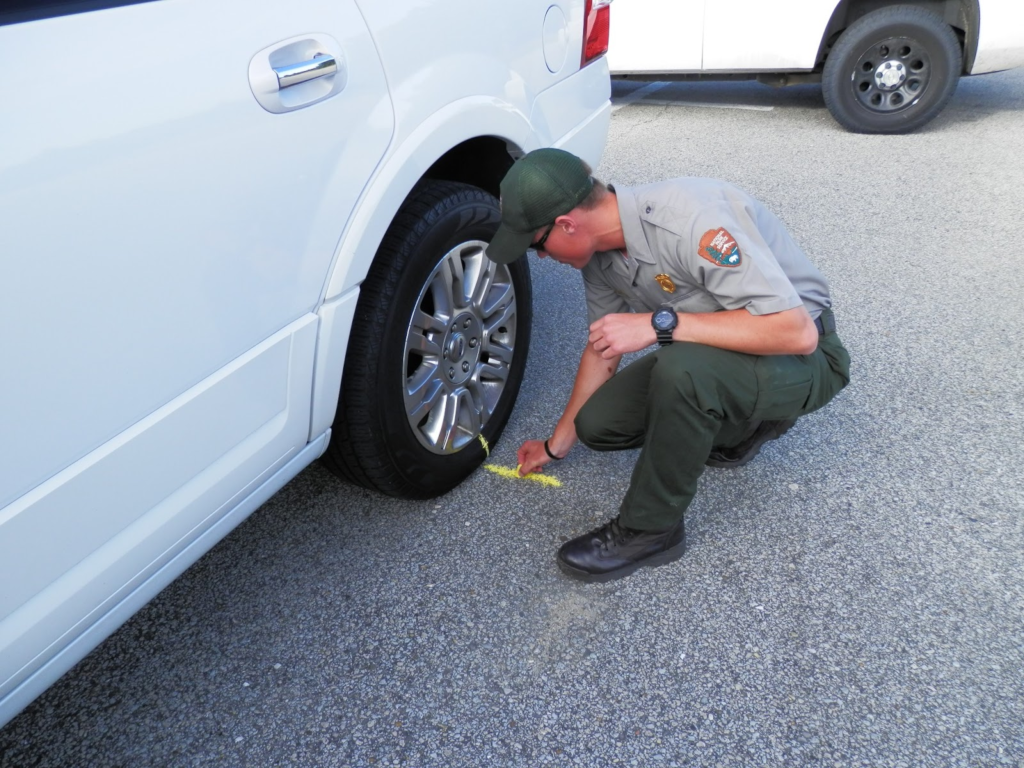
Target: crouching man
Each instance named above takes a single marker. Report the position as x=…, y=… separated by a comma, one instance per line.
x=743, y=323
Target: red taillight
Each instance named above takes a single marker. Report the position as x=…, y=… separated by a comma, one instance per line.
x=596, y=17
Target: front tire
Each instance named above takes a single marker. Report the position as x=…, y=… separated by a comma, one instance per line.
x=437, y=351
x=891, y=71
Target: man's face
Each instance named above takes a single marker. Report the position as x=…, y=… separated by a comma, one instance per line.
x=565, y=242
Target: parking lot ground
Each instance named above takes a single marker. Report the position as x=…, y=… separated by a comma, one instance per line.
x=854, y=597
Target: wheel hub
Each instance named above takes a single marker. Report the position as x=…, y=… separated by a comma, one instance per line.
x=461, y=348
x=890, y=75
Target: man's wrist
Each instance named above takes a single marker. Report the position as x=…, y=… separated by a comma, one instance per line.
x=664, y=321
x=550, y=453
x=558, y=446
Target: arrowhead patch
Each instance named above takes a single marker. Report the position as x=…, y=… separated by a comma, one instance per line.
x=719, y=247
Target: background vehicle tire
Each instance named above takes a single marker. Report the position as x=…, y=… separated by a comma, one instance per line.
x=437, y=350
x=891, y=71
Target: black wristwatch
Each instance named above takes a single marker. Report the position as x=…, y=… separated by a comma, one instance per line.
x=664, y=321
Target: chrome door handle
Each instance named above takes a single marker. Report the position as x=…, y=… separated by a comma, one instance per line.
x=321, y=65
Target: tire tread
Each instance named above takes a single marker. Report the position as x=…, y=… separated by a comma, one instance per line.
x=358, y=451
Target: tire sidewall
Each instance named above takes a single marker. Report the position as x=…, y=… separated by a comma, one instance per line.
x=429, y=472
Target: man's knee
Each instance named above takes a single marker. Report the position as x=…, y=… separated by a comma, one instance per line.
x=709, y=379
x=685, y=368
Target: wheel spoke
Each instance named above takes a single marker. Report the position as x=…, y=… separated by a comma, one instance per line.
x=482, y=289
x=501, y=295
x=498, y=353
x=429, y=322
x=422, y=393
x=454, y=278
x=419, y=339
x=476, y=271
x=461, y=421
x=485, y=398
x=441, y=291
x=492, y=372
x=502, y=318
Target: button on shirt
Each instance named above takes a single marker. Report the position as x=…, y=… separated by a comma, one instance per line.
x=701, y=245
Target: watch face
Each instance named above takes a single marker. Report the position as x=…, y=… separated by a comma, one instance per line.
x=663, y=319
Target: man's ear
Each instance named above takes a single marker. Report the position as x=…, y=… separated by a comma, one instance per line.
x=567, y=223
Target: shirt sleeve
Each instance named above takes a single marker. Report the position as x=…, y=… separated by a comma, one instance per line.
x=602, y=298
x=728, y=256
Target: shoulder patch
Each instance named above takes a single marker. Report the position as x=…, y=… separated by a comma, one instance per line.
x=719, y=247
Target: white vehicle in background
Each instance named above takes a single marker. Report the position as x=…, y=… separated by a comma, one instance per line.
x=236, y=236
x=884, y=67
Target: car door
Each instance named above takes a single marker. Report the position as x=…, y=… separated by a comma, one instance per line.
x=170, y=206
x=752, y=35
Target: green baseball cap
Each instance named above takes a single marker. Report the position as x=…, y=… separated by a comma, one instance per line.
x=539, y=187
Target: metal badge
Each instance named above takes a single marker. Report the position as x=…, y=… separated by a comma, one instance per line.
x=666, y=283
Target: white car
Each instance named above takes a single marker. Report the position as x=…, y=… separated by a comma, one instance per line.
x=236, y=236
x=884, y=67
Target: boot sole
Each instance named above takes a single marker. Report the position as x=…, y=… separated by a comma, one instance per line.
x=755, y=449
x=662, y=558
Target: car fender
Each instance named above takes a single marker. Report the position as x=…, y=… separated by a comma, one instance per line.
x=396, y=175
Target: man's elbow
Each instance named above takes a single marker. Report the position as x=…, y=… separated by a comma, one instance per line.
x=806, y=338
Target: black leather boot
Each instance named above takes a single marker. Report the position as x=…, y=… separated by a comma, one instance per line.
x=614, y=551
x=737, y=456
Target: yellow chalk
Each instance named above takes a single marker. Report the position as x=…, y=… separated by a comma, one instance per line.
x=513, y=474
x=487, y=448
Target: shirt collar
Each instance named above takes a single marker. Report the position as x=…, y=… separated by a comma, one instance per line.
x=632, y=229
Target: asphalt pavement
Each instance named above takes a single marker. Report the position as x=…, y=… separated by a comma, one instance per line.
x=853, y=597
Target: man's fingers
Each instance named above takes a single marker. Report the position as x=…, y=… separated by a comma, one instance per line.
x=529, y=469
x=531, y=457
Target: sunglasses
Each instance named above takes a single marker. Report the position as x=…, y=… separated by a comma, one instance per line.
x=543, y=238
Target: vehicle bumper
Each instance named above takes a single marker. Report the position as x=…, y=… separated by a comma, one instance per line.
x=1001, y=41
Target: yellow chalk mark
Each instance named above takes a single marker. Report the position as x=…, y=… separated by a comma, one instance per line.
x=513, y=474
x=487, y=448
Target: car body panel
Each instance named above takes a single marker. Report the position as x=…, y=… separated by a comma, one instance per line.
x=453, y=124
x=74, y=646
x=64, y=586
x=674, y=44
x=748, y=35
x=738, y=36
x=1001, y=38
x=184, y=249
x=264, y=225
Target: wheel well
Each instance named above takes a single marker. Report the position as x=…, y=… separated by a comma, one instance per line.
x=482, y=162
x=962, y=15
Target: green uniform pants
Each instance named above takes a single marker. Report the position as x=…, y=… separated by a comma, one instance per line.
x=683, y=400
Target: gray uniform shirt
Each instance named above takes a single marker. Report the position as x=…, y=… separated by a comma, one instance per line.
x=701, y=245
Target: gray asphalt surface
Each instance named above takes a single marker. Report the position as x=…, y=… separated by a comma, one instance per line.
x=852, y=598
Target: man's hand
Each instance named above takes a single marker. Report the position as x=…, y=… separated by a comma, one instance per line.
x=592, y=373
x=531, y=457
x=620, y=334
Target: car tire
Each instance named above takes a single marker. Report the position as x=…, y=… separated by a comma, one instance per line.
x=437, y=350
x=891, y=71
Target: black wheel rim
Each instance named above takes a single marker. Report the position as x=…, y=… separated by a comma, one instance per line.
x=892, y=75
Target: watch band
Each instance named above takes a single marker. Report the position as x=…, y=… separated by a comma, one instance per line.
x=664, y=335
